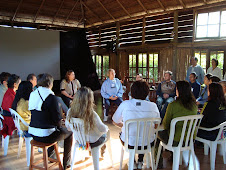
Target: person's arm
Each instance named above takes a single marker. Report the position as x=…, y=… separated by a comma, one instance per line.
x=103, y=91
x=66, y=94
x=63, y=91
x=78, y=84
x=117, y=117
x=159, y=91
x=120, y=92
x=168, y=117
x=219, y=74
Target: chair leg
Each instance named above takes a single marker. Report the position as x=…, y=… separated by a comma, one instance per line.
x=148, y=160
x=28, y=149
x=58, y=157
x=152, y=159
x=73, y=157
x=206, y=149
x=6, y=144
x=121, y=158
x=176, y=159
x=224, y=151
x=95, y=155
x=213, y=150
x=31, y=158
x=131, y=159
x=21, y=140
x=108, y=144
x=181, y=157
x=193, y=158
x=158, y=155
x=2, y=141
x=45, y=158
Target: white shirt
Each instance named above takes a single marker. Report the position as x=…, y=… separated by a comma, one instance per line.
x=70, y=87
x=135, y=109
x=215, y=72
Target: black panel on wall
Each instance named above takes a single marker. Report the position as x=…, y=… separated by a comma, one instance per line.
x=75, y=55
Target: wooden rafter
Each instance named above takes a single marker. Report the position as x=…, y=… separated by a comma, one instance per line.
x=162, y=6
x=124, y=8
x=36, y=15
x=182, y=3
x=14, y=16
x=106, y=10
x=92, y=12
x=58, y=11
x=143, y=6
x=71, y=12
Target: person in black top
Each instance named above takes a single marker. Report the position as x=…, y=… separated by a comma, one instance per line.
x=214, y=112
x=46, y=119
x=195, y=85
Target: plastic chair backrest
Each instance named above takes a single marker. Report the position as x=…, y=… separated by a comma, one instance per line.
x=145, y=129
x=190, y=124
x=222, y=128
x=1, y=125
x=17, y=120
x=77, y=127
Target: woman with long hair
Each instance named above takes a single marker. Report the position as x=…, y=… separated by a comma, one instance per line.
x=20, y=103
x=184, y=105
x=69, y=87
x=214, y=111
x=82, y=107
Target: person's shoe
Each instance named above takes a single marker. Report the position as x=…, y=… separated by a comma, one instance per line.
x=139, y=165
x=105, y=118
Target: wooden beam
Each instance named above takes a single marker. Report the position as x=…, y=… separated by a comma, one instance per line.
x=182, y=3
x=14, y=16
x=38, y=10
x=71, y=12
x=143, y=6
x=124, y=8
x=204, y=1
x=92, y=12
x=58, y=10
x=106, y=10
x=162, y=6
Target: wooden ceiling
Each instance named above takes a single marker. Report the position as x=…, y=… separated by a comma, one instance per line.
x=80, y=13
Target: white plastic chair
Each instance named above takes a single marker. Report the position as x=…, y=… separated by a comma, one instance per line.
x=1, y=127
x=190, y=124
x=81, y=139
x=145, y=129
x=17, y=120
x=213, y=144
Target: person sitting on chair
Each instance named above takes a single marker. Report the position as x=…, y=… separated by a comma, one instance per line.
x=214, y=112
x=33, y=79
x=135, y=108
x=3, y=86
x=111, y=91
x=195, y=85
x=165, y=93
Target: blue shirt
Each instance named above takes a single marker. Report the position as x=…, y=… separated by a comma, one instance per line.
x=196, y=87
x=203, y=96
x=111, y=88
x=199, y=71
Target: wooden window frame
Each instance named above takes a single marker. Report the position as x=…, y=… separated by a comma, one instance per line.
x=100, y=77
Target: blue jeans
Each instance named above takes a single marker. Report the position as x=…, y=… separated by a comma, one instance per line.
x=160, y=101
x=107, y=103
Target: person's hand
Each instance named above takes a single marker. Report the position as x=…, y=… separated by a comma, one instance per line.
x=71, y=97
x=165, y=96
x=113, y=97
x=197, y=103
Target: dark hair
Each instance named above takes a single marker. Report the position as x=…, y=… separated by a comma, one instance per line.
x=215, y=79
x=194, y=74
x=30, y=76
x=23, y=92
x=68, y=74
x=216, y=93
x=196, y=59
x=186, y=97
x=44, y=80
x=216, y=61
x=208, y=76
x=13, y=79
x=4, y=76
x=139, y=90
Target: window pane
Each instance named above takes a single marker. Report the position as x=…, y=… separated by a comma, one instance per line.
x=213, y=30
x=134, y=74
x=130, y=60
x=156, y=74
x=140, y=70
x=150, y=60
x=213, y=54
x=214, y=17
x=201, y=31
x=134, y=60
x=144, y=60
x=223, y=30
x=140, y=58
x=151, y=73
x=156, y=60
x=220, y=58
x=223, y=17
x=203, y=61
x=144, y=72
x=197, y=54
x=202, y=19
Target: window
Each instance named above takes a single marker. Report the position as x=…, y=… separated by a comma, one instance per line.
x=144, y=63
x=219, y=55
x=211, y=25
x=102, y=65
x=201, y=55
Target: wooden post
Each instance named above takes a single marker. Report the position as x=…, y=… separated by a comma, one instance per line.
x=143, y=31
x=117, y=56
x=175, y=40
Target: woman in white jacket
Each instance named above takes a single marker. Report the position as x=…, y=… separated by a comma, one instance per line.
x=83, y=107
x=214, y=70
